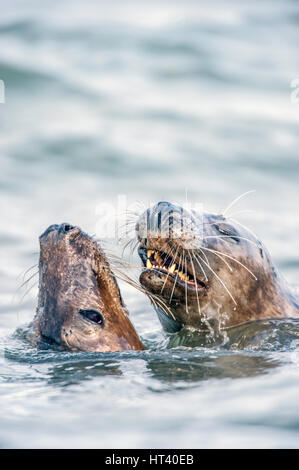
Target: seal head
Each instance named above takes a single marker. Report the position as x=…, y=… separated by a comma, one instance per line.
x=208, y=270
x=79, y=304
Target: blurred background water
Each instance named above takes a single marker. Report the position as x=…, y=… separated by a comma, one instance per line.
x=147, y=99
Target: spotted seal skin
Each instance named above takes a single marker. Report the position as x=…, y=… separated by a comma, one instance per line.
x=79, y=304
x=208, y=270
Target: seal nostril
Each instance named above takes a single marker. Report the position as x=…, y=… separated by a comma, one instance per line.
x=65, y=228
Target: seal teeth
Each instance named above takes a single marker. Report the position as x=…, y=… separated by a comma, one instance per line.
x=157, y=259
x=172, y=268
x=183, y=276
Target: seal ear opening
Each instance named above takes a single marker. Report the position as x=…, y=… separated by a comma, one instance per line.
x=92, y=315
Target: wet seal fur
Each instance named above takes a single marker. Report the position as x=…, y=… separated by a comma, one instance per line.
x=79, y=303
x=208, y=270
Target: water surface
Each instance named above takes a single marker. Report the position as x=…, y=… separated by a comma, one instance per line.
x=148, y=99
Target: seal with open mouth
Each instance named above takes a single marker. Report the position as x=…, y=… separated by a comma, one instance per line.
x=208, y=270
x=79, y=304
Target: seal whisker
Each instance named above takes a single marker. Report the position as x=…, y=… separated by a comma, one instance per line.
x=162, y=305
x=198, y=262
x=175, y=281
x=27, y=271
x=233, y=259
x=170, y=253
x=196, y=288
x=236, y=200
x=168, y=273
x=186, y=285
x=219, y=256
x=127, y=245
x=124, y=277
x=203, y=253
x=134, y=248
x=118, y=261
x=196, y=256
x=27, y=280
x=28, y=290
x=219, y=279
x=228, y=236
x=126, y=228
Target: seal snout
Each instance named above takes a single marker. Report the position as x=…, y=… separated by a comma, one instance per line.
x=50, y=229
x=158, y=221
x=61, y=230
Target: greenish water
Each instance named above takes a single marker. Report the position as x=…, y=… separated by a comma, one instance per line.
x=148, y=99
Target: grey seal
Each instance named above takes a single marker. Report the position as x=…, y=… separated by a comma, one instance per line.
x=80, y=306
x=208, y=270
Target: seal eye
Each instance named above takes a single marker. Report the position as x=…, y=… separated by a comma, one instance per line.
x=228, y=232
x=92, y=315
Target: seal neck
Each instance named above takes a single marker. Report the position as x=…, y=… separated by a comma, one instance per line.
x=283, y=299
